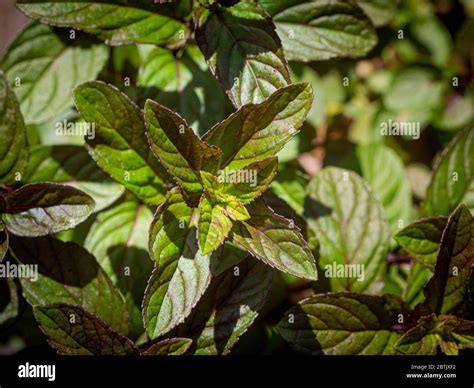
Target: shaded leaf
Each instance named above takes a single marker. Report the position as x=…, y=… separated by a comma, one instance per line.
x=276, y=241
x=183, y=83
x=243, y=51
x=449, y=332
x=72, y=165
x=119, y=241
x=67, y=273
x=115, y=21
x=9, y=300
x=314, y=30
x=227, y=309
x=182, y=272
x=120, y=146
x=71, y=330
x=3, y=241
x=38, y=209
x=349, y=224
x=421, y=239
x=344, y=324
x=169, y=347
x=47, y=69
x=13, y=148
x=447, y=291
x=453, y=176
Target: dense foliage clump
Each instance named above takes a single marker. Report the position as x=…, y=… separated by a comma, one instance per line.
x=176, y=175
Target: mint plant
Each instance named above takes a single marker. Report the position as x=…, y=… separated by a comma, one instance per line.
x=179, y=174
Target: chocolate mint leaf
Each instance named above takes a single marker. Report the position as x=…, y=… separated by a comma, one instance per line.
x=38, y=209
x=243, y=51
x=67, y=273
x=45, y=69
x=350, y=225
x=228, y=308
x=115, y=21
x=3, y=241
x=71, y=330
x=418, y=276
x=213, y=225
x=447, y=291
x=452, y=180
x=343, y=323
x=422, y=238
x=9, y=300
x=276, y=241
x=260, y=130
x=182, y=273
x=314, y=30
x=169, y=347
x=72, y=165
x=448, y=332
x=119, y=241
x=120, y=146
x=13, y=148
x=179, y=149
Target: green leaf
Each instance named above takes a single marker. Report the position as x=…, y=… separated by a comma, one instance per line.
x=418, y=276
x=380, y=12
x=67, y=273
x=276, y=241
x=228, y=308
x=313, y=30
x=46, y=69
x=421, y=239
x=243, y=51
x=115, y=21
x=3, y=241
x=169, y=347
x=414, y=107
x=260, y=131
x=38, y=209
x=449, y=332
x=343, y=323
x=179, y=149
x=250, y=182
x=182, y=273
x=182, y=82
x=72, y=330
x=13, y=148
x=290, y=185
x=350, y=226
x=390, y=184
x=120, y=146
x=458, y=113
x=72, y=165
x=453, y=176
x=9, y=300
x=119, y=241
x=213, y=226
x=435, y=36
x=448, y=290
